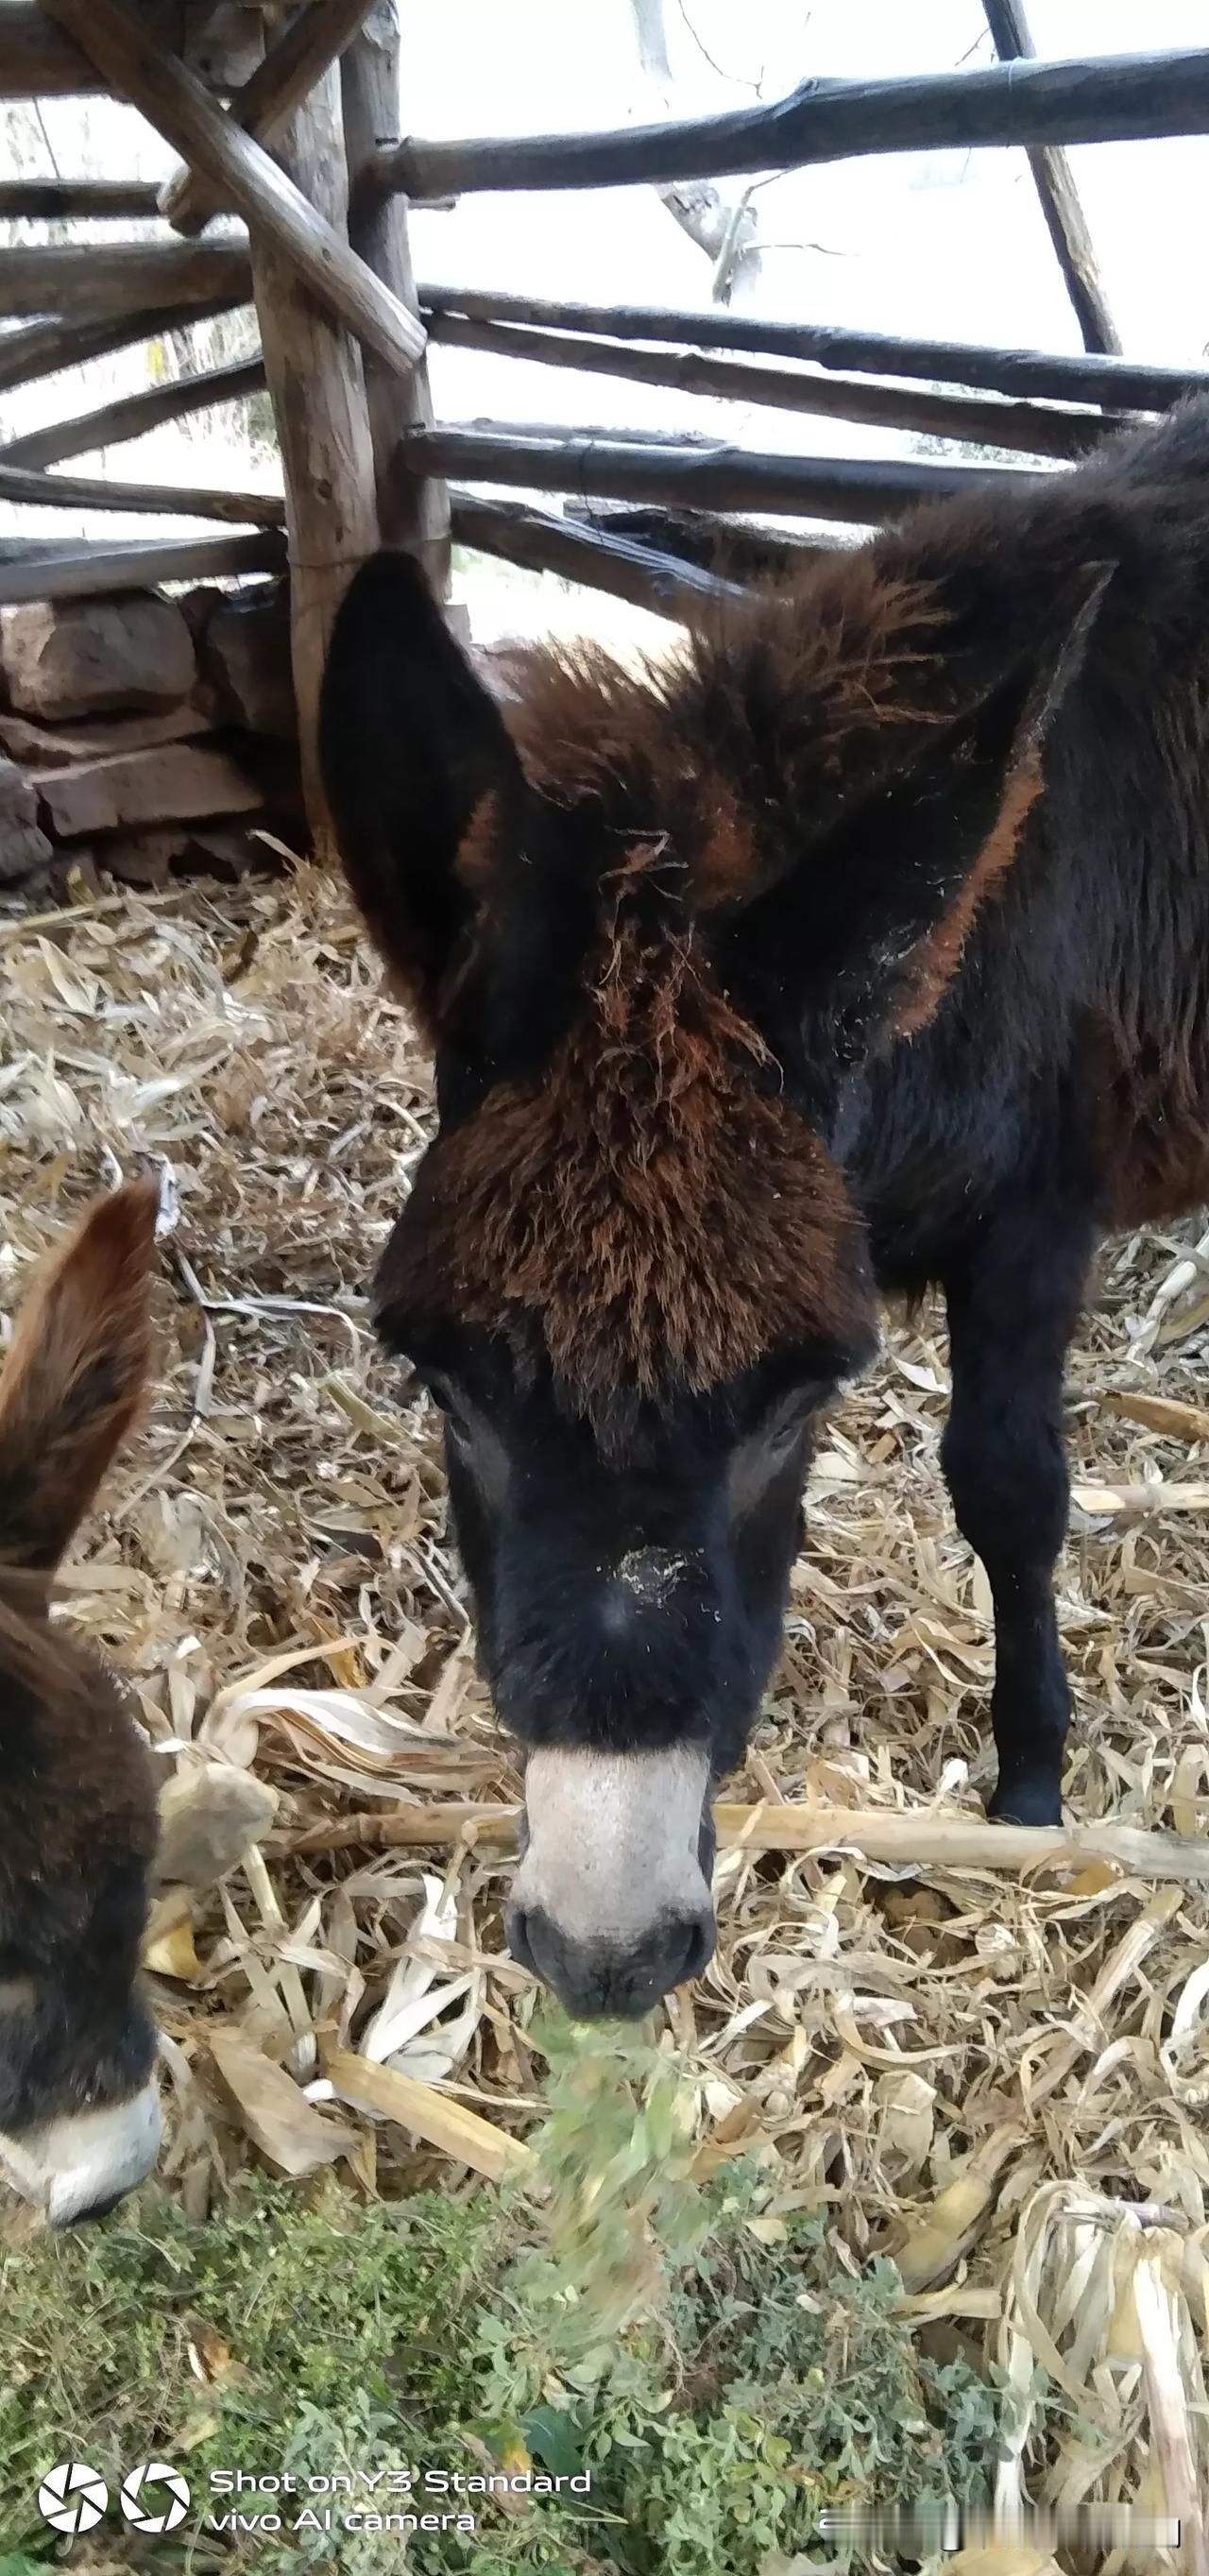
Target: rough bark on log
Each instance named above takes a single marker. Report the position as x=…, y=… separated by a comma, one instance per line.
x=412, y=512
x=88, y=492
x=1061, y=205
x=62, y=200
x=183, y=112
x=281, y=82
x=1027, y=427
x=40, y=349
x=1102, y=99
x=315, y=377
x=542, y=543
x=713, y=477
x=77, y=283
x=88, y=571
x=135, y=414
x=1031, y=372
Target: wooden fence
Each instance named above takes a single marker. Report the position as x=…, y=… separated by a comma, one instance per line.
x=305, y=147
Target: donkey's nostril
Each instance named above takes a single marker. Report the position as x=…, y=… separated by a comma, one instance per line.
x=595, y=1977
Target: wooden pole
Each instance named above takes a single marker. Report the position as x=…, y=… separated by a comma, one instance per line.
x=413, y=511
x=1061, y=205
x=923, y=1838
x=1029, y=427
x=600, y=465
x=92, y=569
x=77, y=282
x=305, y=50
x=87, y=492
x=135, y=414
x=315, y=378
x=1028, y=372
x=1105, y=99
x=542, y=543
x=61, y=200
x=242, y=173
x=41, y=348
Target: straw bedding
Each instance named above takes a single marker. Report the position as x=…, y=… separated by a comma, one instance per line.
x=1001, y=2077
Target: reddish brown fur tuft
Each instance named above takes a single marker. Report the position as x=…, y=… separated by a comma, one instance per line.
x=74, y=1379
x=851, y=651
x=598, y=1200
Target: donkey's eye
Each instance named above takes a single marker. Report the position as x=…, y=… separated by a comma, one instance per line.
x=449, y=1403
x=788, y=1424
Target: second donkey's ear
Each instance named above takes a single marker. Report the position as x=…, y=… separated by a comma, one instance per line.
x=411, y=746
x=73, y=1382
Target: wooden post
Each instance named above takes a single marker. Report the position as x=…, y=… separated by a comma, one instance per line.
x=1061, y=205
x=315, y=378
x=412, y=512
x=280, y=83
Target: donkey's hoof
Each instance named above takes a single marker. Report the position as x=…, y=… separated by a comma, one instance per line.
x=1026, y=1802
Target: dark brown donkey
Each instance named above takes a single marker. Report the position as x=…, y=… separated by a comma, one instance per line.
x=863, y=945
x=79, y=2113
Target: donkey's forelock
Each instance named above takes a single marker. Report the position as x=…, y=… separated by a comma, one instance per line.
x=588, y=1203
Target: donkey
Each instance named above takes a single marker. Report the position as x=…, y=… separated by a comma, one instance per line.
x=863, y=945
x=79, y=2111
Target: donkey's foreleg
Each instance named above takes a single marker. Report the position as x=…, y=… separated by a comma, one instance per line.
x=1013, y=1301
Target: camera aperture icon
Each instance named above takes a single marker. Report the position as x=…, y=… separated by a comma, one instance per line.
x=72, y=2497
x=155, y=2497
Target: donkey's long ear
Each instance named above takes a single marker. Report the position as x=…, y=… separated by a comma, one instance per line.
x=915, y=769
x=411, y=744
x=73, y=1381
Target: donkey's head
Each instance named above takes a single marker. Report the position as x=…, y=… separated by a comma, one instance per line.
x=653, y=924
x=79, y=2114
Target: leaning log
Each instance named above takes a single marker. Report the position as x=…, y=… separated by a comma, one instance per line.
x=38, y=349
x=709, y=477
x=242, y=173
x=411, y=512
x=44, y=201
x=1059, y=199
x=290, y=70
x=77, y=282
x=540, y=542
x=1032, y=428
x=135, y=414
x=1030, y=372
x=89, y=570
x=1105, y=99
x=90, y=492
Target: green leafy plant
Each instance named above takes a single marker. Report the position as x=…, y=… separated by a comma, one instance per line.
x=712, y=2374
